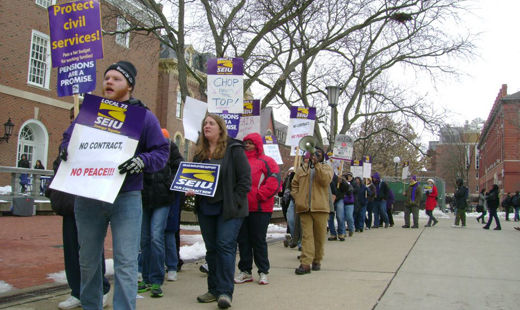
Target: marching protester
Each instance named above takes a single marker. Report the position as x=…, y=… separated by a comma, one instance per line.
x=461, y=203
x=310, y=189
x=339, y=188
x=431, y=202
x=370, y=195
x=482, y=205
x=252, y=236
x=379, y=206
x=413, y=199
x=515, y=201
x=360, y=204
x=63, y=204
x=492, y=199
x=157, y=201
x=390, y=206
x=125, y=214
x=221, y=216
x=507, y=204
x=284, y=195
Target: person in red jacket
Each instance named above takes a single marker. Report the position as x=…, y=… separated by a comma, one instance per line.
x=431, y=202
x=265, y=177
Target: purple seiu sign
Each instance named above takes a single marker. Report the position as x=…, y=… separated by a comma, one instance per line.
x=232, y=123
x=76, y=78
x=75, y=31
x=112, y=116
x=303, y=113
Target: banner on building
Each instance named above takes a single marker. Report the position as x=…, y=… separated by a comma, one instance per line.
x=225, y=85
x=76, y=78
x=105, y=135
x=250, y=119
x=201, y=178
x=301, y=124
x=75, y=32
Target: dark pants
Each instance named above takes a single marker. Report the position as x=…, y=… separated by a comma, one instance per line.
x=71, y=257
x=389, y=213
x=460, y=216
x=482, y=216
x=220, y=238
x=431, y=217
x=359, y=217
x=507, y=210
x=493, y=215
x=252, y=242
x=414, y=210
x=368, y=219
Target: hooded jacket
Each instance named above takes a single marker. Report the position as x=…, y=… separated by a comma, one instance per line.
x=312, y=195
x=265, y=177
x=431, y=198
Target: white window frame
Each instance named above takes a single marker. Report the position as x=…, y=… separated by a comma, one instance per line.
x=122, y=39
x=46, y=61
x=179, y=107
x=45, y=3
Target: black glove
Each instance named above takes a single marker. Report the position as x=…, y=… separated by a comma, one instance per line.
x=64, y=154
x=134, y=165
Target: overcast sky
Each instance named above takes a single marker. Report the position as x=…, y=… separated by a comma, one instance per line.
x=497, y=63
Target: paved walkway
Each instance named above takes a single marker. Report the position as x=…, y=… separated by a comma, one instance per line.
x=382, y=269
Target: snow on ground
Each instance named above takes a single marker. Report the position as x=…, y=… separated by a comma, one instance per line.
x=5, y=287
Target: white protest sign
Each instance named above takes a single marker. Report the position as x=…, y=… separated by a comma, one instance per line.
x=367, y=167
x=105, y=134
x=225, y=85
x=271, y=149
x=406, y=171
x=301, y=124
x=193, y=115
x=356, y=167
x=250, y=120
x=343, y=147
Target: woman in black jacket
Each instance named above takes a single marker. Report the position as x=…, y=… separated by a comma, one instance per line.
x=492, y=204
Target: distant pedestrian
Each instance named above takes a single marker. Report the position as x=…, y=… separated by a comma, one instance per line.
x=370, y=194
x=221, y=216
x=24, y=177
x=506, y=205
x=379, y=206
x=482, y=206
x=461, y=203
x=492, y=204
x=39, y=165
x=431, y=202
x=390, y=206
x=515, y=200
x=310, y=189
x=360, y=204
x=265, y=183
x=413, y=199
x=344, y=198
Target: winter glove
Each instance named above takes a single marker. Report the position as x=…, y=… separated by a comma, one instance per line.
x=134, y=165
x=64, y=154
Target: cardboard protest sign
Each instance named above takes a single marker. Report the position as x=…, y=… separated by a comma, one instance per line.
x=301, y=124
x=271, y=149
x=232, y=122
x=406, y=172
x=225, y=85
x=75, y=32
x=343, y=147
x=367, y=167
x=193, y=115
x=199, y=177
x=76, y=78
x=356, y=167
x=250, y=119
x=106, y=134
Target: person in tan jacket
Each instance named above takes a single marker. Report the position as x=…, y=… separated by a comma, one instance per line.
x=309, y=188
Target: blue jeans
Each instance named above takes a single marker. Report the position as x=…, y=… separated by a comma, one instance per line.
x=517, y=213
x=379, y=210
x=359, y=217
x=220, y=238
x=152, y=244
x=92, y=219
x=349, y=216
x=340, y=217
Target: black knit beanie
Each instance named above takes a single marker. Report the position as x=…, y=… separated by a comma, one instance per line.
x=126, y=68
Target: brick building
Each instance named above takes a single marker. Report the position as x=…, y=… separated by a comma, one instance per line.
x=499, y=144
x=28, y=82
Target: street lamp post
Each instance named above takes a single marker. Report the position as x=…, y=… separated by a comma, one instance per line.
x=333, y=96
x=397, y=160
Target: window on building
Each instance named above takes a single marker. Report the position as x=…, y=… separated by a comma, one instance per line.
x=123, y=39
x=26, y=144
x=178, y=140
x=45, y=3
x=178, y=109
x=39, y=60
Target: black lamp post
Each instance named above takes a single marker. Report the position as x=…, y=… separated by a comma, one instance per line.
x=333, y=96
x=8, y=128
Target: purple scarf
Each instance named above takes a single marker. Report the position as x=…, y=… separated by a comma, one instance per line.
x=414, y=188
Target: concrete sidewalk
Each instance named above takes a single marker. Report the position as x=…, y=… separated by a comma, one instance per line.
x=427, y=268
